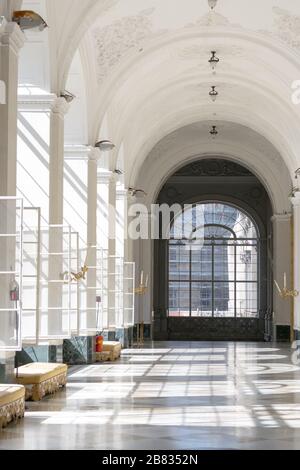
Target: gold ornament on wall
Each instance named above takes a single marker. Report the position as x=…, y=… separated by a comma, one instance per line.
x=285, y=292
x=68, y=278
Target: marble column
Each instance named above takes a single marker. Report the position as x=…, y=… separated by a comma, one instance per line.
x=112, y=188
x=11, y=41
x=282, y=256
x=56, y=184
x=141, y=253
x=94, y=157
x=296, y=260
x=121, y=222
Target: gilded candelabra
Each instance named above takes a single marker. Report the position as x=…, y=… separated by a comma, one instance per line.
x=68, y=278
x=141, y=290
x=285, y=292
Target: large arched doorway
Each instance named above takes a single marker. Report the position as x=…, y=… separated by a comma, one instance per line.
x=221, y=289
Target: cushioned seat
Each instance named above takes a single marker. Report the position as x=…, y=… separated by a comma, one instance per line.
x=12, y=403
x=38, y=372
x=113, y=348
x=41, y=378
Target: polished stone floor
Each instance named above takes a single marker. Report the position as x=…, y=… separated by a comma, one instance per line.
x=172, y=396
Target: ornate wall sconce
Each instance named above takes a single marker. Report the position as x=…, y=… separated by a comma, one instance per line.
x=141, y=290
x=286, y=293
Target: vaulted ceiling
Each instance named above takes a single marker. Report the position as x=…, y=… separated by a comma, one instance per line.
x=146, y=72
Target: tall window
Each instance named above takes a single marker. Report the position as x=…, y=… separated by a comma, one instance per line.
x=219, y=278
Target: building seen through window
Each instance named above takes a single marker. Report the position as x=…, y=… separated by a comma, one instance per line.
x=219, y=278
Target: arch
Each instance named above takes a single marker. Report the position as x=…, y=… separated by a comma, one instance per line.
x=249, y=149
x=222, y=223
x=243, y=246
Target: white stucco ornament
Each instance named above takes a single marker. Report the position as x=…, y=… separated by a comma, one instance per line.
x=287, y=26
x=115, y=40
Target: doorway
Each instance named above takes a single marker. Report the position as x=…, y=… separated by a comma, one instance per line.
x=221, y=289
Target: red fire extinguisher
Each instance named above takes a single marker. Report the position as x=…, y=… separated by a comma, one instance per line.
x=14, y=290
x=99, y=344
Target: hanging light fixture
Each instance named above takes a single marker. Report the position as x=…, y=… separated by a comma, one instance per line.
x=212, y=4
x=69, y=97
x=213, y=93
x=105, y=145
x=28, y=19
x=214, y=132
x=213, y=61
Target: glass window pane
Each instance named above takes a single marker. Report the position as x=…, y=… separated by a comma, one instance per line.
x=224, y=258
x=202, y=264
x=224, y=299
x=247, y=299
x=223, y=273
x=247, y=263
x=201, y=299
x=179, y=299
x=179, y=263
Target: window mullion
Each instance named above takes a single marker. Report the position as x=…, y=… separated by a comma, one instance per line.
x=213, y=279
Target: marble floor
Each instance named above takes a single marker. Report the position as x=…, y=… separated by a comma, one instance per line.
x=171, y=396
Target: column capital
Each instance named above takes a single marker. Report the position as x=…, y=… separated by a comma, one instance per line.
x=281, y=218
x=77, y=152
x=296, y=200
x=36, y=102
x=104, y=176
x=121, y=193
x=11, y=35
x=94, y=155
x=60, y=106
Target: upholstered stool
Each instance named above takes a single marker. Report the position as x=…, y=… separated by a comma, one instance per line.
x=12, y=403
x=113, y=348
x=41, y=379
x=102, y=356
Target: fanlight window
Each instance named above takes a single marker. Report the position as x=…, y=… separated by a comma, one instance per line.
x=219, y=277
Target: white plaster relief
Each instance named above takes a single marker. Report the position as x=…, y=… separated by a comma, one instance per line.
x=115, y=40
x=210, y=19
x=286, y=27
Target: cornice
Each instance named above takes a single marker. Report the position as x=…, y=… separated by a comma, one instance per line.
x=35, y=102
x=77, y=152
x=11, y=35
x=281, y=218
